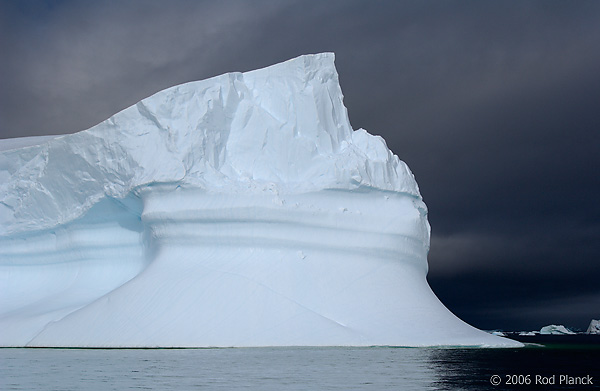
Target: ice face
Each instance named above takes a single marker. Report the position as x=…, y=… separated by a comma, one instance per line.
x=241, y=210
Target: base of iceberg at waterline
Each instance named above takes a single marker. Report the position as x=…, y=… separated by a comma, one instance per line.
x=325, y=268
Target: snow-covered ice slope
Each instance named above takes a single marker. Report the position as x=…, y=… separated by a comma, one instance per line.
x=241, y=210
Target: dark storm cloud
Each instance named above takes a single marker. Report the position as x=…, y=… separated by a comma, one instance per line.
x=75, y=64
x=494, y=106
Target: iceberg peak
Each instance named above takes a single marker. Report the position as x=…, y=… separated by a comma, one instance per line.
x=283, y=127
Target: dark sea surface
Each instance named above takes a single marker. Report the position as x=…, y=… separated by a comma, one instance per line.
x=300, y=368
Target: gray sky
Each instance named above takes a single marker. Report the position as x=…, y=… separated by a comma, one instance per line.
x=495, y=106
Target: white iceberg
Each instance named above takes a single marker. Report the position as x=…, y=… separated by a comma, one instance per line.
x=242, y=210
x=554, y=329
x=529, y=333
x=594, y=327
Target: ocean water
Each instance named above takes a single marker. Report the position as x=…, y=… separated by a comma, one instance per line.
x=298, y=368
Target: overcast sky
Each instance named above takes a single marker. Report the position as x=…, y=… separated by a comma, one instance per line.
x=495, y=106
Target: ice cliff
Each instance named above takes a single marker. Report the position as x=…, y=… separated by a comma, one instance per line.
x=240, y=210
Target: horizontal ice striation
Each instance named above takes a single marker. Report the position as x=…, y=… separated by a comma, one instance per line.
x=49, y=274
x=241, y=210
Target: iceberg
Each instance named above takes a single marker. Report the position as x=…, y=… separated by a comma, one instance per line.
x=594, y=327
x=241, y=210
x=554, y=329
x=529, y=333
